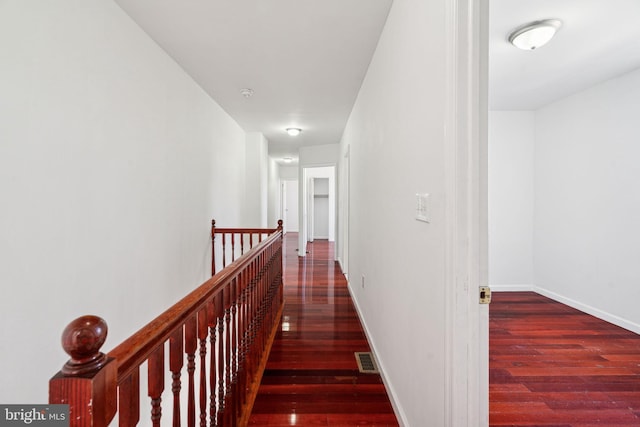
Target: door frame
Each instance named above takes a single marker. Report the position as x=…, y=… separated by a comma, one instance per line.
x=467, y=324
x=306, y=173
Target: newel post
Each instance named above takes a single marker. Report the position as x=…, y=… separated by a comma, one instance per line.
x=88, y=381
x=213, y=247
x=280, y=227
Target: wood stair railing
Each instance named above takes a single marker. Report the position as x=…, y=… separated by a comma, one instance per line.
x=223, y=330
x=234, y=242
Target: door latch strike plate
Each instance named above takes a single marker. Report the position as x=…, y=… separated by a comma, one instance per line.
x=485, y=295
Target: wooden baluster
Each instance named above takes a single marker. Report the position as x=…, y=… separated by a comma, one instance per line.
x=156, y=383
x=211, y=314
x=267, y=305
x=227, y=352
x=87, y=382
x=259, y=308
x=268, y=298
x=274, y=273
x=234, y=349
x=224, y=250
x=241, y=243
x=242, y=322
x=220, y=319
x=129, y=400
x=248, y=323
x=280, y=272
x=233, y=247
x=176, y=361
x=251, y=240
x=213, y=247
x=202, y=336
x=253, y=306
x=190, y=347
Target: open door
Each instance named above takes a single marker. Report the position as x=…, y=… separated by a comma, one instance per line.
x=310, y=209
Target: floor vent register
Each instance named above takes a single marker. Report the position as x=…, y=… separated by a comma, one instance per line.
x=366, y=363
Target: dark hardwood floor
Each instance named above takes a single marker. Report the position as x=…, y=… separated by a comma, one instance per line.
x=311, y=377
x=552, y=365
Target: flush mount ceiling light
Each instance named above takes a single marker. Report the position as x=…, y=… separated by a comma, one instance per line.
x=288, y=159
x=246, y=92
x=294, y=131
x=535, y=34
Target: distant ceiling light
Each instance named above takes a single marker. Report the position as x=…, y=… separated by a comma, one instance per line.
x=535, y=34
x=246, y=92
x=294, y=131
x=287, y=159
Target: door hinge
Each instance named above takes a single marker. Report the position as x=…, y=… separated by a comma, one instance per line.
x=485, y=295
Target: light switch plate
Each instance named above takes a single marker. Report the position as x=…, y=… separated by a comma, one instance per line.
x=422, y=207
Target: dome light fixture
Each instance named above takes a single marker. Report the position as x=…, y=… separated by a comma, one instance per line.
x=287, y=159
x=535, y=34
x=246, y=92
x=293, y=131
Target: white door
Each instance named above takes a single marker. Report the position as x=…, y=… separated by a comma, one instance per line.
x=310, y=209
x=290, y=214
x=344, y=217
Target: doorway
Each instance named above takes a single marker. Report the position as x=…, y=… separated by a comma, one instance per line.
x=318, y=205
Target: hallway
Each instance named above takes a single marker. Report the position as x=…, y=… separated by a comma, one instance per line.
x=312, y=377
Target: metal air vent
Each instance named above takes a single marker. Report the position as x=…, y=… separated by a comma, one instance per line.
x=366, y=363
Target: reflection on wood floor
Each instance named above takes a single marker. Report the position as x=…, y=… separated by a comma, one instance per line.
x=311, y=377
x=552, y=365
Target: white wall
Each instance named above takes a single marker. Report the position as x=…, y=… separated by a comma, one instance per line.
x=273, y=200
x=319, y=155
x=112, y=164
x=256, y=179
x=586, y=221
x=396, y=139
x=342, y=220
x=511, y=159
x=288, y=172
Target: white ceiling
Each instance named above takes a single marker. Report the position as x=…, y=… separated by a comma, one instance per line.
x=599, y=40
x=305, y=59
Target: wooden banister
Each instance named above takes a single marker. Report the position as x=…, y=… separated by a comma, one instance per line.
x=224, y=330
x=230, y=238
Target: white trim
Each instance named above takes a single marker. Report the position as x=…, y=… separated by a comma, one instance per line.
x=397, y=409
x=600, y=314
x=466, y=343
x=585, y=308
x=513, y=288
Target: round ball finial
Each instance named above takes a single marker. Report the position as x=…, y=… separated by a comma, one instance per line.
x=82, y=340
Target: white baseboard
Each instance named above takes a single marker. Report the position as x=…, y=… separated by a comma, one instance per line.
x=397, y=409
x=346, y=275
x=512, y=288
x=600, y=314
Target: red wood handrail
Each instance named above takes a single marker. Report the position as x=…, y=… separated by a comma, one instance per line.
x=229, y=321
x=241, y=235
